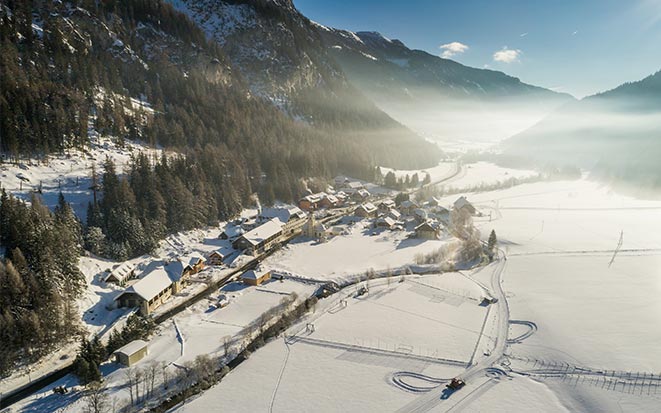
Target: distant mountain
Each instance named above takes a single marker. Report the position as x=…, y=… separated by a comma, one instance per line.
x=426, y=91
x=616, y=134
x=281, y=55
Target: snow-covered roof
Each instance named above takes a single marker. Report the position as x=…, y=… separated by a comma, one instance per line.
x=314, y=198
x=426, y=226
x=254, y=274
x=332, y=199
x=263, y=232
x=233, y=231
x=284, y=214
x=367, y=207
x=387, y=203
x=408, y=204
x=121, y=272
x=132, y=347
x=462, y=202
x=221, y=252
x=386, y=220
x=151, y=284
x=394, y=214
x=354, y=185
x=192, y=259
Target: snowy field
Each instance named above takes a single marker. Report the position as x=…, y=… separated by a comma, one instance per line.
x=348, y=362
x=355, y=253
x=560, y=238
x=473, y=175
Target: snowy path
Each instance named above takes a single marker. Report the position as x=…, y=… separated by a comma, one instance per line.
x=282, y=372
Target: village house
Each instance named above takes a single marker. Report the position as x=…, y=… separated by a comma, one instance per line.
x=462, y=204
x=385, y=222
x=360, y=195
x=427, y=230
x=311, y=202
x=182, y=268
x=433, y=202
x=330, y=201
x=231, y=232
x=148, y=293
x=420, y=215
x=121, y=274
x=218, y=256
x=394, y=214
x=365, y=210
x=351, y=187
x=407, y=207
x=291, y=217
x=260, y=239
x=386, y=205
x=131, y=353
x=255, y=277
x=341, y=197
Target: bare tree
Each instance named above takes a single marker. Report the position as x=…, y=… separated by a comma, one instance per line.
x=152, y=372
x=139, y=377
x=262, y=323
x=165, y=374
x=186, y=379
x=96, y=398
x=227, y=343
x=130, y=381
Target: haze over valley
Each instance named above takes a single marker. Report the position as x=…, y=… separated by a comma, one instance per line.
x=282, y=206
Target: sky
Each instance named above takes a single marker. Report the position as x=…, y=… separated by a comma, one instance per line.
x=580, y=47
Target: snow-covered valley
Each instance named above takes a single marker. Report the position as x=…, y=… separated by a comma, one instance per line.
x=581, y=334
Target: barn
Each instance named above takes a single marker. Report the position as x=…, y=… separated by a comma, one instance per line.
x=255, y=277
x=131, y=353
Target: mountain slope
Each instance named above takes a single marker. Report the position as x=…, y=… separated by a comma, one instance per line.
x=281, y=55
x=616, y=134
x=147, y=49
x=437, y=96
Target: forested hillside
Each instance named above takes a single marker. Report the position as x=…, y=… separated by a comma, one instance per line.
x=615, y=134
x=141, y=70
x=39, y=277
x=55, y=56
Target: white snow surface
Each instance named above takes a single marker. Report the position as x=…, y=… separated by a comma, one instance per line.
x=560, y=238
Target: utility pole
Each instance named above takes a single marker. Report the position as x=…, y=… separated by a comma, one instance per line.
x=617, y=249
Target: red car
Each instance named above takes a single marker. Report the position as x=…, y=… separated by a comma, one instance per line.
x=456, y=384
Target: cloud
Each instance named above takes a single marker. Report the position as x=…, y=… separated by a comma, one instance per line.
x=523, y=34
x=506, y=55
x=452, y=49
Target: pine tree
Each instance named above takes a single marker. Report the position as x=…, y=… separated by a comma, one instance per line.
x=492, y=243
x=427, y=179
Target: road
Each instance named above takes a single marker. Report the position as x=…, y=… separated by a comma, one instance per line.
x=432, y=399
x=457, y=170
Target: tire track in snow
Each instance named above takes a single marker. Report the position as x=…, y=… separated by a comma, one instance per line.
x=282, y=372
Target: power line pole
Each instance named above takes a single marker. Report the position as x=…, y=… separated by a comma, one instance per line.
x=617, y=249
